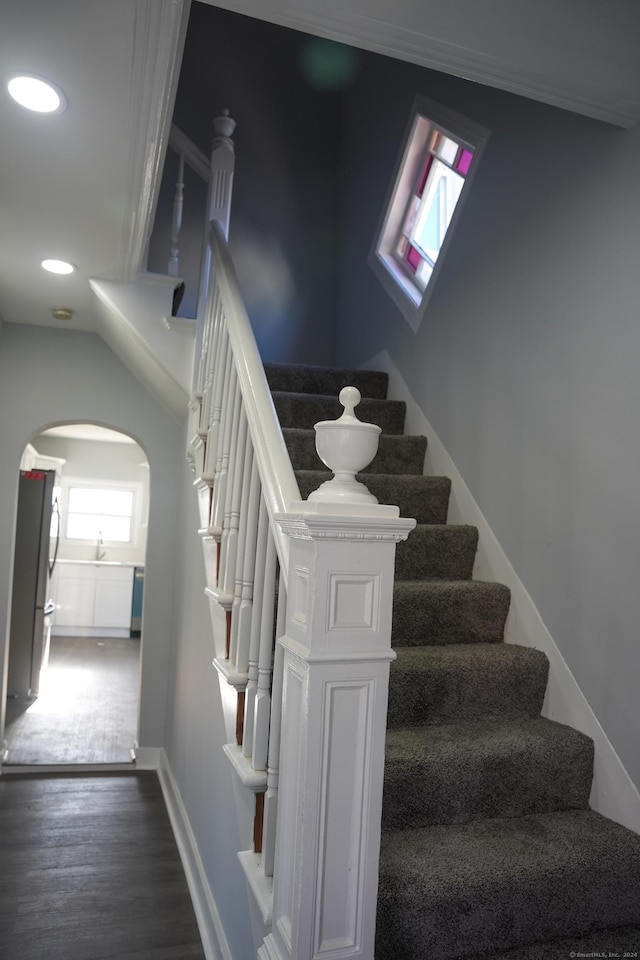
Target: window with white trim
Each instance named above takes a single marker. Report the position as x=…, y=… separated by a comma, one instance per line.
x=100, y=513
x=439, y=157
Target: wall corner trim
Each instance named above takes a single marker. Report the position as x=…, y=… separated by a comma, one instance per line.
x=214, y=941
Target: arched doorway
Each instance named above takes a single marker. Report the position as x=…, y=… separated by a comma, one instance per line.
x=77, y=701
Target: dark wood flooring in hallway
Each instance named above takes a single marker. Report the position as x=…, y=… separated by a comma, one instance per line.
x=89, y=870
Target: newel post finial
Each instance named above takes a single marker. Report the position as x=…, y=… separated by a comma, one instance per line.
x=223, y=127
x=346, y=446
x=222, y=167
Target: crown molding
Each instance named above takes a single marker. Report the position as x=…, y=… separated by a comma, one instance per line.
x=568, y=77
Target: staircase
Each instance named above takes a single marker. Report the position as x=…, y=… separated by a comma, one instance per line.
x=489, y=848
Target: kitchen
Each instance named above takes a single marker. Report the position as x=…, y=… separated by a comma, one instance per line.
x=82, y=706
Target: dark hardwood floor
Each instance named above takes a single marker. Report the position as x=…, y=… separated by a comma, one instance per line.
x=89, y=870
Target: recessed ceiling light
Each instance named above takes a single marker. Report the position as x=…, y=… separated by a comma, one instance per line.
x=58, y=266
x=37, y=94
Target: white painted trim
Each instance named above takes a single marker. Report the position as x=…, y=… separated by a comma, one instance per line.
x=181, y=324
x=88, y=769
x=261, y=887
x=255, y=780
x=107, y=633
x=212, y=934
x=147, y=758
x=160, y=31
x=613, y=794
x=185, y=147
x=172, y=393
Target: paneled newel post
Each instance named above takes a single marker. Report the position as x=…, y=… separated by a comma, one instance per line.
x=337, y=651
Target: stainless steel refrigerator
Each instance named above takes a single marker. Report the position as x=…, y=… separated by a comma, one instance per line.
x=27, y=637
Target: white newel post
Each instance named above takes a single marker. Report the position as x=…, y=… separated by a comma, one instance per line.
x=337, y=652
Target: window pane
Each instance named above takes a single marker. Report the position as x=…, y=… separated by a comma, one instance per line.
x=82, y=526
x=413, y=258
x=464, y=162
x=446, y=149
x=438, y=203
x=113, y=502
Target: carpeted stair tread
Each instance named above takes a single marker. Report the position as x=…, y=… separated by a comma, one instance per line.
x=396, y=454
x=299, y=378
x=448, y=611
x=453, y=773
x=437, y=551
x=304, y=410
x=614, y=942
x=426, y=499
x=454, y=891
x=462, y=682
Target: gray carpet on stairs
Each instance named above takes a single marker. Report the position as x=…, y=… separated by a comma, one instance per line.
x=489, y=849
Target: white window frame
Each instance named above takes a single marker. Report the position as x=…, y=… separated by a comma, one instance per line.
x=133, y=487
x=401, y=286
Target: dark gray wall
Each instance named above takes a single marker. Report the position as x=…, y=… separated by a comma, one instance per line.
x=526, y=362
x=284, y=224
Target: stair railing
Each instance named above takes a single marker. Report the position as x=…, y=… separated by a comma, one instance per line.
x=306, y=592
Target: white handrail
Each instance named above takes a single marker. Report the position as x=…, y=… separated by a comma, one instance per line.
x=279, y=484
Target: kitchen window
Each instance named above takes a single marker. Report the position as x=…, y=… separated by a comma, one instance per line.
x=103, y=513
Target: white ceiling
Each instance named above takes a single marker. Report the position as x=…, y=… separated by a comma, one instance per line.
x=72, y=186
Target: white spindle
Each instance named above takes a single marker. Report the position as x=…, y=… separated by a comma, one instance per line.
x=210, y=335
x=245, y=612
x=227, y=422
x=247, y=469
x=256, y=621
x=273, y=762
x=262, y=707
x=232, y=477
x=219, y=423
x=232, y=525
x=176, y=220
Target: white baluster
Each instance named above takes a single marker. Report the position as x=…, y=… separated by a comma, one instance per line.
x=271, y=796
x=176, y=221
x=232, y=477
x=224, y=365
x=232, y=525
x=245, y=613
x=247, y=469
x=262, y=708
x=224, y=450
x=256, y=620
x=209, y=372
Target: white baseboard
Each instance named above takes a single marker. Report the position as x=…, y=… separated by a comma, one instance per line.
x=147, y=758
x=214, y=941
x=613, y=794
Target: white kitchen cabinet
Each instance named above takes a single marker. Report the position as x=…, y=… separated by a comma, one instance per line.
x=92, y=599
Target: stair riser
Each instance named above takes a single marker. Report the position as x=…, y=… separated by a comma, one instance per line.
x=447, y=613
x=437, y=552
x=304, y=411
